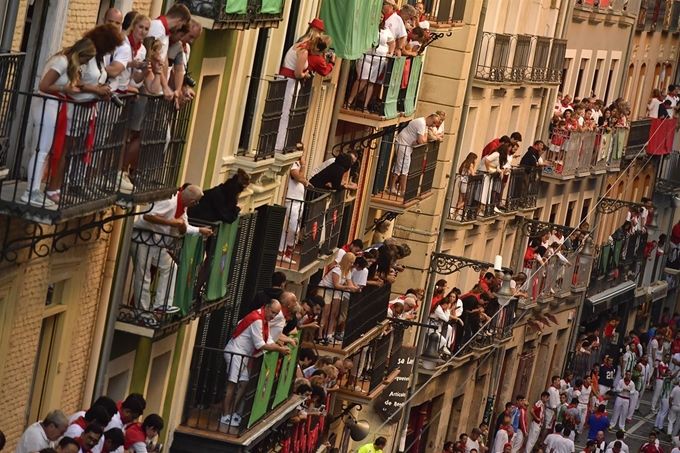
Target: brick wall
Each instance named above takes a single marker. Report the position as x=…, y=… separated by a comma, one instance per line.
x=19, y=29
x=142, y=6
x=27, y=308
x=82, y=16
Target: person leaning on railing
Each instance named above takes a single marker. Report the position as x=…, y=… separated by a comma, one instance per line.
x=337, y=281
x=250, y=337
x=75, y=73
x=415, y=133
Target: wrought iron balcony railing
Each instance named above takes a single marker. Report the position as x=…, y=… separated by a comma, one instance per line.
x=522, y=186
x=11, y=68
x=577, y=153
x=238, y=14
x=668, y=175
x=312, y=226
x=508, y=58
x=443, y=13
x=349, y=315
x=404, y=172
x=619, y=256
x=375, y=85
x=174, y=277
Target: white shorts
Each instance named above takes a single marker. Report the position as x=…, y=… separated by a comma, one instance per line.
x=402, y=159
x=238, y=368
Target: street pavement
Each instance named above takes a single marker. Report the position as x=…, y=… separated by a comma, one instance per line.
x=637, y=433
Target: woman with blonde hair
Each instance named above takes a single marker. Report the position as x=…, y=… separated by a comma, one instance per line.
x=335, y=282
x=67, y=75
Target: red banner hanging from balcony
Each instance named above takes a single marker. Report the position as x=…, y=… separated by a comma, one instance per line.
x=661, y=135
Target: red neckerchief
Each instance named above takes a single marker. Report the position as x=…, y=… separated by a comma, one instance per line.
x=555, y=386
x=135, y=46
x=80, y=421
x=180, y=206
x=255, y=315
x=388, y=15
x=599, y=415
x=82, y=447
x=164, y=21
x=627, y=381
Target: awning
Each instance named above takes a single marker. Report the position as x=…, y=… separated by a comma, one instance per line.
x=352, y=24
x=658, y=290
x=610, y=297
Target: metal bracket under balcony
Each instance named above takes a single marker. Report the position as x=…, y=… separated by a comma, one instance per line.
x=443, y=264
x=535, y=228
x=610, y=205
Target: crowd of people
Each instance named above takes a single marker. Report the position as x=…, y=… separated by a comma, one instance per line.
x=106, y=427
x=124, y=55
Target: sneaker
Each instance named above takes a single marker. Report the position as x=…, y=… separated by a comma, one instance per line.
x=37, y=198
x=123, y=178
x=169, y=310
x=497, y=211
x=339, y=336
x=288, y=259
x=235, y=420
x=225, y=419
x=329, y=339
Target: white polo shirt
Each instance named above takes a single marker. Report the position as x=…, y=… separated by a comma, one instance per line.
x=249, y=340
x=167, y=210
x=33, y=439
x=396, y=25
x=157, y=30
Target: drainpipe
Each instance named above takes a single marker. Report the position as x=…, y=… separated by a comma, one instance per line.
x=11, y=15
x=422, y=333
x=116, y=297
x=561, y=27
x=340, y=90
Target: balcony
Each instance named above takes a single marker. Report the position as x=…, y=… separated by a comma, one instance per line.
x=401, y=179
x=77, y=155
x=487, y=195
x=350, y=319
x=668, y=175
x=375, y=367
x=268, y=395
x=617, y=261
x=381, y=89
x=184, y=273
x=311, y=229
x=579, y=153
x=11, y=68
x=236, y=14
x=445, y=14
x=518, y=59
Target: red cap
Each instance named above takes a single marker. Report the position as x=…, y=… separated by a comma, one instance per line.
x=318, y=24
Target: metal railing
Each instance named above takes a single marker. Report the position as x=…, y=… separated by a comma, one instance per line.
x=469, y=198
x=333, y=221
x=519, y=58
x=303, y=229
x=72, y=150
x=11, y=68
x=348, y=315
x=266, y=388
x=628, y=251
x=373, y=362
x=668, y=176
x=163, y=134
x=522, y=188
x=569, y=152
x=168, y=275
x=444, y=12
x=405, y=172
x=235, y=14
x=375, y=85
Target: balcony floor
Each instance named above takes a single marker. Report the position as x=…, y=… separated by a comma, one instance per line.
x=11, y=205
x=394, y=203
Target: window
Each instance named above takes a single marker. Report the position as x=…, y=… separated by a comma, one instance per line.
x=596, y=77
x=554, y=209
x=585, y=211
x=245, y=142
x=579, y=78
x=570, y=213
x=565, y=73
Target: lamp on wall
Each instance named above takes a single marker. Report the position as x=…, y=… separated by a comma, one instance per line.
x=358, y=429
x=505, y=294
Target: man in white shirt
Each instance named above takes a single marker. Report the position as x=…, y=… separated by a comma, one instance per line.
x=177, y=16
x=169, y=218
x=250, y=338
x=113, y=16
x=673, y=96
x=564, y=445
x=619, y=438
x=472, y=442
x=553, y=402
x=415, y=133
x=674, y=412
x=43, y=434
x=395, y=24
x=537, y=414
x=624, y=388
x=96, y=414
x=286, y=315
x=552, y=438
x=178, y=72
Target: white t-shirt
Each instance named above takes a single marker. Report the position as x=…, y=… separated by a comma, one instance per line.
x=653, y=108
x=58, y=63
x=425, y=25
x=674, y=100
x=33, y=439
x=471, y=444
x=339, y=254
x=91, y=74
x=564, y=445
x=584, y=396
x=124, y=55
x=157, y=30
x=384, y=38
x=276, y=326
x=675, y=396
x=249, y=340
x=494, y=160
x=624, y=447
x=74, y=430
x=551, y=440
x=359, y=277
x=76, y=416
x=396, y=25
x=327, y=280
x=410, y=134
x=296, y=190
x=440, y=314
x=167, y=210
